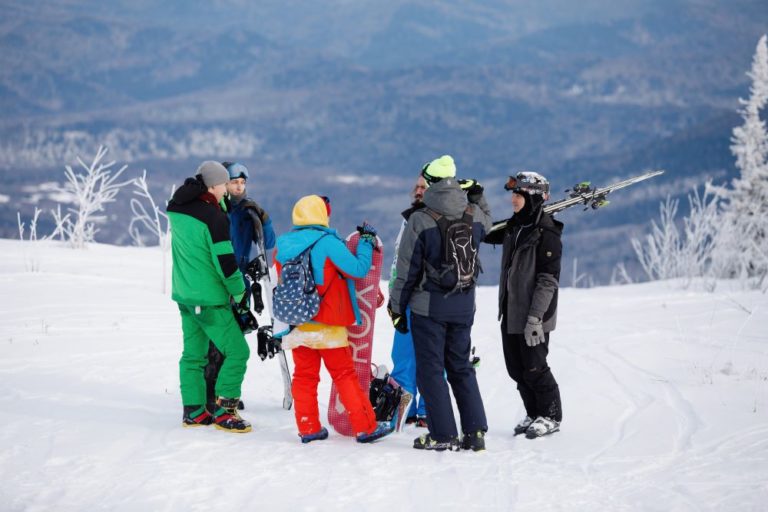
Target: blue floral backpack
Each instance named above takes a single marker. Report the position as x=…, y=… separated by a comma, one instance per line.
x=295, y=299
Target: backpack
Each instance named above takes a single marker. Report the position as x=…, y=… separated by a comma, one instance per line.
x=295, y=299
x=459, y=263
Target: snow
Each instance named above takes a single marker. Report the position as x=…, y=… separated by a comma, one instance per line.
x=664, y=396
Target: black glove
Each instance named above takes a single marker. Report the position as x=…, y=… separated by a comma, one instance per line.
x=367, y=233
x=252, y=205
x=399, y=321
x=267, y=345
x=242, y=313
x=241, y=304
x=473, y=189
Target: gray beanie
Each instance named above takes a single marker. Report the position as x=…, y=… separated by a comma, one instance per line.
x=213, y=173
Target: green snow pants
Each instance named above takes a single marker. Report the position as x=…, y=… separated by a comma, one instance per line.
x=215, y=323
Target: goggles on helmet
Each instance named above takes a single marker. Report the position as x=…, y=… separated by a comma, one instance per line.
x=237, y=170
x=529, y=182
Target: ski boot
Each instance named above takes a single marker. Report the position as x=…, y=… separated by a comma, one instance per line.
x=426, y=442
x=474, y=441
x=227, y=418
x=421, y=422
x=317, y=436
x=196, y=416
x=542, y=426
x=383, y=428
x=521, y=427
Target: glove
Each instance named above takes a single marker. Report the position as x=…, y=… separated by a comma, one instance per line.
x=367, y=233
x=534, y=331
x=247, y=203
x=473, y=189
x=399, y=321
x=241, y=303
x=267, y=346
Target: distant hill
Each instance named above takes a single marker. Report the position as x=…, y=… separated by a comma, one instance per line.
x=305, y=94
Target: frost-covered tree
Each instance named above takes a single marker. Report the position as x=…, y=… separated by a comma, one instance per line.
x=148, y=215
x=743, y=241
x=667, y=252
x=91, y=189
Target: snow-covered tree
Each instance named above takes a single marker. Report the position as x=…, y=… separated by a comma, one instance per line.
x=743, y=241
x=667, y=253
x=91, y=190
x=148, y=215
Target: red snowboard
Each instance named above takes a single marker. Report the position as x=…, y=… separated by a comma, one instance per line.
x=360, y=336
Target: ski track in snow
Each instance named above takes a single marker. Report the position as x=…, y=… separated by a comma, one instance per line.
x=664, y=406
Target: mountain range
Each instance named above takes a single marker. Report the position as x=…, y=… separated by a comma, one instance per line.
x=349, y=99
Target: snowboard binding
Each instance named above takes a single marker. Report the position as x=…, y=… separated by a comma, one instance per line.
x=267, y=346
x=384, y=396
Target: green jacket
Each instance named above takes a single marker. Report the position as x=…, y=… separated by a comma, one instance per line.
x=205, y=272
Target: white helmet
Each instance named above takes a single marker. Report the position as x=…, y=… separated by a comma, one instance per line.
x=529, y=182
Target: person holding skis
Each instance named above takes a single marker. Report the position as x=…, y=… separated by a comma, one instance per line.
x=403, y=357
x=441, y=297
x=324, y=338
x=249, y=226
x=528, y=286
x=206, y=281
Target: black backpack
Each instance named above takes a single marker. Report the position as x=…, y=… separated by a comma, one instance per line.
x=459, y=265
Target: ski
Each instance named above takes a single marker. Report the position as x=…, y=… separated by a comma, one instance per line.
x=584, y=194
x=260, y=275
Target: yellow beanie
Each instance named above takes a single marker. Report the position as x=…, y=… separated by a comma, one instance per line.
x=310, y=210
x=440, y=168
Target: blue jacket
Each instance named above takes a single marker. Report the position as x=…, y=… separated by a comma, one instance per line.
x=332, y=267
x=244, y=232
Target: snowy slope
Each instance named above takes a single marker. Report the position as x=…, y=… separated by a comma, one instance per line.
x=664, y=394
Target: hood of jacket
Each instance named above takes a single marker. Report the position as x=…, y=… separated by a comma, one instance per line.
x=189, y=191
x=446, y=198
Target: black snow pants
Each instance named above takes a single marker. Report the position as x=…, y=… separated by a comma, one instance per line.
x=442, y=348
x=528, y=367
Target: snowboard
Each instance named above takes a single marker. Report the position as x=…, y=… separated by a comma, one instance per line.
x=258, y=272
x=360, y=336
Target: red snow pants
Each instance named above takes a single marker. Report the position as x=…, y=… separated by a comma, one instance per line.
x=306, y=377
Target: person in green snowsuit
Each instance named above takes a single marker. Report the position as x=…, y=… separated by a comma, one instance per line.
x=205, y=277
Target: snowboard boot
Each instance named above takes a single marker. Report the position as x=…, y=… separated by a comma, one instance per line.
x=317, y=436
x=521, y=427
x=226, y=416
x=383, y=428
x=542, y=426
x=196, y=416
x=474, y=441
x=426, y=442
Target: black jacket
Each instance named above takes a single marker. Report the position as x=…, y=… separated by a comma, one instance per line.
x=530, y=271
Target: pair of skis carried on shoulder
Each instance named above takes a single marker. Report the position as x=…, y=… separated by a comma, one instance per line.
x=584, y=194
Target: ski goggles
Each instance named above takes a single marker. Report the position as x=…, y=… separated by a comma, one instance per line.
x=532, y=183
x=237, y=171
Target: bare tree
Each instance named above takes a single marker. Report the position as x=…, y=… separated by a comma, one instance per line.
x=148, y=215
x=667, y=254
x=92, y=190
